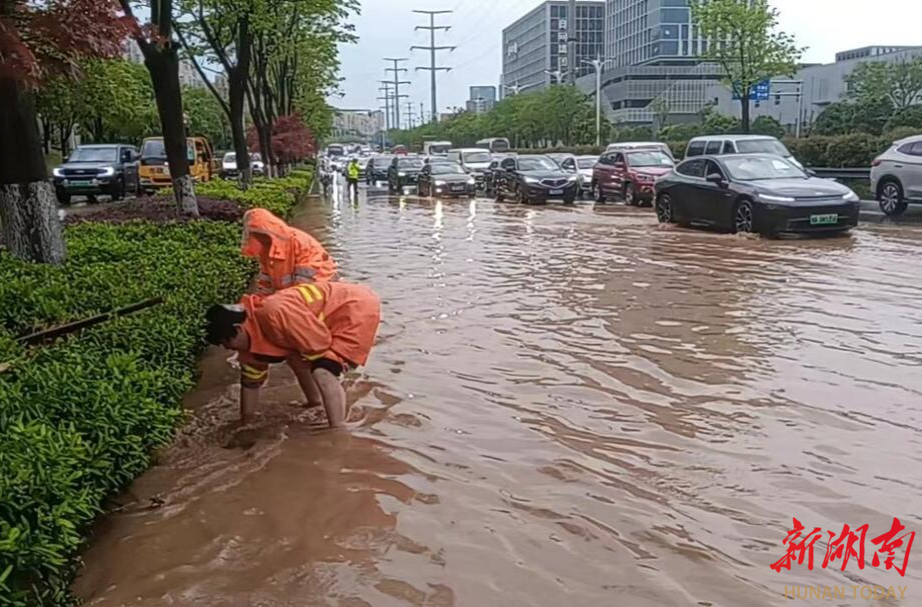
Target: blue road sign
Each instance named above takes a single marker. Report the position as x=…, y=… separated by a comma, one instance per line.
x=759, y=91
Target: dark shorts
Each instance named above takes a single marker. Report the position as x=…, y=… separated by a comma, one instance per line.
x=332, y=366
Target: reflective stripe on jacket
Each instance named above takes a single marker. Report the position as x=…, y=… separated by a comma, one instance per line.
x=338, y=321
x=287, y=256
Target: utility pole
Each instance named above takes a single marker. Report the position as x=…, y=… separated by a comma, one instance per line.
x=597, y=64
x=387, y=111
x=432, y=48
x=397, y=82
x=422, y=114
x=411, y=115
x=571, y=41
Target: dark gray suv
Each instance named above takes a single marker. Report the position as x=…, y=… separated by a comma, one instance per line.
x=92, y=170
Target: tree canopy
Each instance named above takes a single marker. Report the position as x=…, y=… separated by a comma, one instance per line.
x=743, y=39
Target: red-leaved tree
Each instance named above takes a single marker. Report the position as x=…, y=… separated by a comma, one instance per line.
x=39, y=39
x=291, y=140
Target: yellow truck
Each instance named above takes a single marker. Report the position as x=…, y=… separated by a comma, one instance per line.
x=155, y=171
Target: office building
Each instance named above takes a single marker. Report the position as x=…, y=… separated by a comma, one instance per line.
x=653, y=50
x=536, y=45
x=357, y=124
x=482, y=99
x=822, y=85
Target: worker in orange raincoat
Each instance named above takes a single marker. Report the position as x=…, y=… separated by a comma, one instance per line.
x=320, y=329
x=287, y=256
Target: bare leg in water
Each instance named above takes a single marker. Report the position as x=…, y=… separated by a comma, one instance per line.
x=302, y=370
x=334, y=397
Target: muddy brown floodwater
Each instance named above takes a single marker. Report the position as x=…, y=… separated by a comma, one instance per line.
x=566, y=406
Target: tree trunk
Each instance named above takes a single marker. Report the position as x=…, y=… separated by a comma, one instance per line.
x=163, y=65
x=29, y=224
x=237, y=93
x=46, y=135
x=745, y=122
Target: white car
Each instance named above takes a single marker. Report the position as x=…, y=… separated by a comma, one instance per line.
x=718, y=145
x=896, y=176
x=229, y=165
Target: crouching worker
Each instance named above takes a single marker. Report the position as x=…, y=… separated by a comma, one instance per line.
x=287, y=256
x=319, y=329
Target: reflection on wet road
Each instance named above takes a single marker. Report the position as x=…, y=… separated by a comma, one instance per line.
x=567, y=406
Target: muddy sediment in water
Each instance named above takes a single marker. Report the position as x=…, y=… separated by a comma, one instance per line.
x=567, y=406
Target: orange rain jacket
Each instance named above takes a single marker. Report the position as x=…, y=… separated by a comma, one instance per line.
x=290, y=257
x=335, y=320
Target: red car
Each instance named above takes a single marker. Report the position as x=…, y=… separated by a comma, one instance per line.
x=629, y=174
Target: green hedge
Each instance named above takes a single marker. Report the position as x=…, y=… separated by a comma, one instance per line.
x=855, y=150
x=80, y=417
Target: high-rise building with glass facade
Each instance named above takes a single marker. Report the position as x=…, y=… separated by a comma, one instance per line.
x=644, y=31
x=537, y=43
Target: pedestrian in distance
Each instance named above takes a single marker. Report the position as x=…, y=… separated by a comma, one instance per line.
x=352, y=176
x=321, y=330
x=287, y=256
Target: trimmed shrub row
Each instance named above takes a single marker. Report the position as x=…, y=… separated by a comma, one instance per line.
x=80, y=417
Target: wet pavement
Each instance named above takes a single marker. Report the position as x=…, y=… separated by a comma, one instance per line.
x=567, y=406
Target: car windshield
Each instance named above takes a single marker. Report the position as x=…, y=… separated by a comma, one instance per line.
x=762, y=168
x=537, y=164
x=761, y=146
x=336, y=150
x=477, y=157
x=650, y=159
x=94, y=155
x=587, y=163
x=409, y=163
x=230, y=157
x=255, y=157
x=447, y=168
x=154, y=149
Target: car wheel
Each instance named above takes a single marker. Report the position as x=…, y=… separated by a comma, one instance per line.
x=890, y=198
x=664, y=209
x=521, y=195
x=597, y=193
x=744, y=218
x=62, y=196
x=630, y=199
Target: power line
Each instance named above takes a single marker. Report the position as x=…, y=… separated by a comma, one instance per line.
x=432, y=48
x=411, y=115
x=397, y=82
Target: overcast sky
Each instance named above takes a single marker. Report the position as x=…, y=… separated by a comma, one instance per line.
x=385, y=29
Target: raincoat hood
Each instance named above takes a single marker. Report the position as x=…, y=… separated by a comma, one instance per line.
x=261, y=221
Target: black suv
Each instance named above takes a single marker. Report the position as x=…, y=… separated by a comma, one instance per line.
x=534, y=179
x=377, y=169
x=404, y=170
x=91, y=170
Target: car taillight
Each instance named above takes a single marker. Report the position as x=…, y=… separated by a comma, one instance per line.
x=876, y=162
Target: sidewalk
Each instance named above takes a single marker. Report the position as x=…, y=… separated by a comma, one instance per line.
x=871, y=213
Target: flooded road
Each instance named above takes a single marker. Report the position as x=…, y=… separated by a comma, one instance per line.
x=566, y=406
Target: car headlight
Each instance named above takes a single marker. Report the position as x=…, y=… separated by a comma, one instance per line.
x=850, y=197
x=773, y=198
x=58, y=172
x=440, y=183
x=108, y=172
x=401, y=174
x=531, y=180
x=645, y=178
x=471, y=181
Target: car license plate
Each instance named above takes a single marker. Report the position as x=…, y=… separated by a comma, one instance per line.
x=556, y=192
x=457, y=188
x=824, y=220
x=82, y=182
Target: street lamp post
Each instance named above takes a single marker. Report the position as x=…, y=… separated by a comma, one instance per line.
x=598, y=65
x=557, y=74
x=516, y=88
